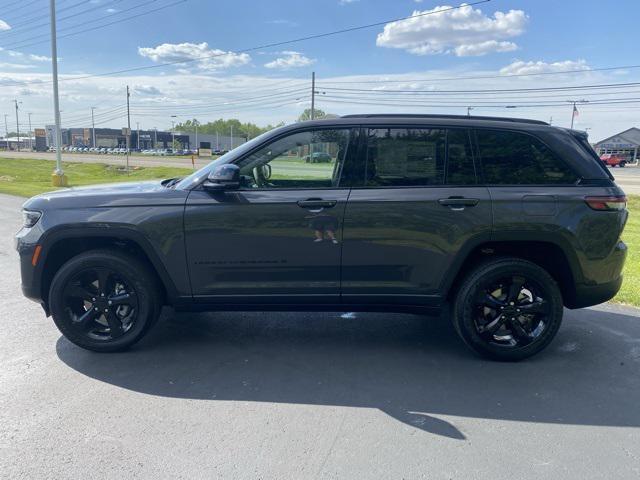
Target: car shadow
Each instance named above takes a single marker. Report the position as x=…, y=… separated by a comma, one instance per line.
x=411, y=367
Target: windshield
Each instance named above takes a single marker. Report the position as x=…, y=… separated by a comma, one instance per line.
x=198, y=175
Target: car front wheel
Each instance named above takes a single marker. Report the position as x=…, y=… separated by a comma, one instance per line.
x=104, y=300
x=508, y=309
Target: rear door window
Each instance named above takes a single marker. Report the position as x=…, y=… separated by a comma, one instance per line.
x=405, y=157
x=514, y=158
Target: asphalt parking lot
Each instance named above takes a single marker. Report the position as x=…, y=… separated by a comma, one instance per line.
x=297, y=395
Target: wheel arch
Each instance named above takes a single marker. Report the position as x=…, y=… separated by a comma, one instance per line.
x=60, y=246
x=550, y=255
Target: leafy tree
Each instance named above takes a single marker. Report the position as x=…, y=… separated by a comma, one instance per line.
x=317, y=115
x=223, y=127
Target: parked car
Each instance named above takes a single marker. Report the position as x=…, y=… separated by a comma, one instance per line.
x=611, y=160
x=318, y=157
x=494, y=217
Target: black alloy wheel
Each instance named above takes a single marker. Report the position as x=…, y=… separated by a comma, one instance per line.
x=104, y=300
x=508, y=309
x=101, y=304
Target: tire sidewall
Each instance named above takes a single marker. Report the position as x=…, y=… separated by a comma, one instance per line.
x=464, y=307
x=131, y=270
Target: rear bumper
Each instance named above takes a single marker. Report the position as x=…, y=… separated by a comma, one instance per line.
x=589, y=295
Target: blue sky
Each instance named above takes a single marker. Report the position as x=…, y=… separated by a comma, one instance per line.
x=498, y=38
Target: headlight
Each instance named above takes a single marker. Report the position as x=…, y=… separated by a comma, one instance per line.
x=30, y=218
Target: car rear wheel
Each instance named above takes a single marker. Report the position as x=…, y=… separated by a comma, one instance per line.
x=508, y=309
x=622, y=164
x=104, y=300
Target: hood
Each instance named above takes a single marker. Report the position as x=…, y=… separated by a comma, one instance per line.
x=108, y=195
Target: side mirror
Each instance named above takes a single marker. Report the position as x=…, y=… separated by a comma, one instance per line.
x=223, y=177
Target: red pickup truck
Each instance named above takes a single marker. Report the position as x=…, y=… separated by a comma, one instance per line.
x=613, y=160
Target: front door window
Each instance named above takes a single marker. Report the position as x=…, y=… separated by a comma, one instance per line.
x=303, y=160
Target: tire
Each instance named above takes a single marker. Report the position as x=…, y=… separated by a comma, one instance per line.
x=493, y=326
x=130, y=297
x=622, y=164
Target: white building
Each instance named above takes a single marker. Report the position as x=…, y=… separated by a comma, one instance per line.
x=624, y=144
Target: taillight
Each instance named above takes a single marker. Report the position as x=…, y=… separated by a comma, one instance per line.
x=618, y=202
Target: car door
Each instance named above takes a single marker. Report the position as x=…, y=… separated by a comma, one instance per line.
x=277, y=239
x=418, y=212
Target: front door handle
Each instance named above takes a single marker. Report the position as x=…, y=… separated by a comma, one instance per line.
x=316, y=203
x=458, y=203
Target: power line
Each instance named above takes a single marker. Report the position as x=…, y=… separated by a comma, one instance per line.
x=482, y=77
x=97, y=27
x=489, y=91
x=267, y=45
x=29, y=27
x=29, y=20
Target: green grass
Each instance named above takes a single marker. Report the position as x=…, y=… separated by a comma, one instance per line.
x=630, y=291
x=25, y=177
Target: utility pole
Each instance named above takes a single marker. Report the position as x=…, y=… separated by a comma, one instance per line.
x=173, y=133
x=313, y=95
x=30, y=131
x=574, y=110
x=197, y=144
x=93, y=129
x=128, y=136
x=138, y=135
x=551, y=120
x=59, y=178
x=17, y=124
x=155, y=136
x=231, y=137
x=217, y=138
x=6, y=132
x=469, y=111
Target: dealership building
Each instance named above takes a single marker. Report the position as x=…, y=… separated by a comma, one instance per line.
x=624, y=144
x=116, y=138
x=140, y=139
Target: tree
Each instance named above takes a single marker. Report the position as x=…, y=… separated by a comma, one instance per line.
x=223, y=127
x=317, y=115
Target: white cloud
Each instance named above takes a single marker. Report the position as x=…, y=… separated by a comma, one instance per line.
x=112, y=10
x=204, y=57
x=16, y=66
x=290, y=60
x=464, y=32
x=146, y=90
x=4, y=26
x=40, y=58
x=519, y=67
x=482, y=48
x=346, y=2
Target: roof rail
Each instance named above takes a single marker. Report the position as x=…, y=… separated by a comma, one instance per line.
x=453, y=117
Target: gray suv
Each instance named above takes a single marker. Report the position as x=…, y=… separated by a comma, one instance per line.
x=506, y=220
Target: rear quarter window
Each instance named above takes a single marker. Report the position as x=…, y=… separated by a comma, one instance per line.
x=514, y=158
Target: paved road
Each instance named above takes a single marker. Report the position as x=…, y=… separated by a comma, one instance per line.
x=279, y=396
x=628, y=178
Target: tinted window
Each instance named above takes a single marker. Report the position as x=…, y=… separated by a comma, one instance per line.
x=311, y=159
x=405, y=157
x=512, y=158
x=460, y=167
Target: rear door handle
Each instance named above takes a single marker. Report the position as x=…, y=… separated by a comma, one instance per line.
x=458, y=203
x=316, y=203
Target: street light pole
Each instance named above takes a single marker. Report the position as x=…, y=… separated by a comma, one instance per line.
x=138, y=135
x=61, y=179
